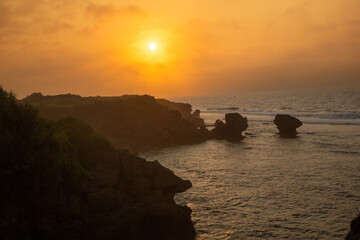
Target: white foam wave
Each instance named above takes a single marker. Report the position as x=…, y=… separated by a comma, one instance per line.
x=268, y=116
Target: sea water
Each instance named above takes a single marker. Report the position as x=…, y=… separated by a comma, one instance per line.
x=267, y=187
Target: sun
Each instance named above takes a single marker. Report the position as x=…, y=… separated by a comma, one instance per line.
x=152, y=46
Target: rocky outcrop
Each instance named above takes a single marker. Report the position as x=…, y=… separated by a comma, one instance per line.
x=129, y=197
x=354, y=233
x=129, y=122
x=62, y=180
x=139, y=203
x=232, y=129
x=287, y=125
x=185, y=110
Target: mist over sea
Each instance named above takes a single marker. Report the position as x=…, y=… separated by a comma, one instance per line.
x=267, y=187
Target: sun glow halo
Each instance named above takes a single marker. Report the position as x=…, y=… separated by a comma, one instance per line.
x=152, y=46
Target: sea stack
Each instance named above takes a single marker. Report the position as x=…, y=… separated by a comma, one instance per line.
x=287, y=125
x=232, y=129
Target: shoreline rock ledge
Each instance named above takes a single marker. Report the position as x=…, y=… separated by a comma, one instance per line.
x=287, y=125
x=138, y=203
x=232, y=129
x=62, y=180
x=354, y=233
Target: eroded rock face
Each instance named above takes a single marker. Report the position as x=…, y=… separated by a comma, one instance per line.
x=185, y=110
x=235, y=122
x=129, y=197
x=65, y=181
x=139, y=204
x=354, y=233
x=287, y=125
x=232, y=129
x=131, y=122
x=149, y=176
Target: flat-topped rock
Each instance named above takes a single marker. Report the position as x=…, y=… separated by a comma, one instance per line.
x=287, y=124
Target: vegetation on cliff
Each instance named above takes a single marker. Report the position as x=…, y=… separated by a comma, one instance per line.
x=130, y=121
x=41, y=181
x=62, y=180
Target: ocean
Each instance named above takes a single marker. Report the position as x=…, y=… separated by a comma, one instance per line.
x=267, y=187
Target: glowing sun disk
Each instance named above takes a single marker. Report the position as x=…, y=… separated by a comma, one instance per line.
x=152, y=46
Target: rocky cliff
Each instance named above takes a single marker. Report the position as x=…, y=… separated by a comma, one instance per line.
x=62, y=180
x=130, y=121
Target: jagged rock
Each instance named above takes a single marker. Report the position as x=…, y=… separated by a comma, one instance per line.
x=150, y=176
x=196, y=113
x=185, y=110
x=287, y=124
x=139, y=203
x=65, y=181
x=219, y=129
x=354, y=233
x=129, y=122
x=204, y=133
x=232, y=129
x=235, y=122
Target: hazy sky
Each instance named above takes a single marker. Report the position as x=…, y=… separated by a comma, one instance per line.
x=101, y=47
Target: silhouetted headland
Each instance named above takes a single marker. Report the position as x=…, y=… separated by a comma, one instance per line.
x=131, y=122
x=186, y=111
x=137, y=122
x=62, y=180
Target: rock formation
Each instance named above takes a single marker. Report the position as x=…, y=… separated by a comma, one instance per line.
x=138, y=202
x=354, y=233
x=232, y=129
x=129, y=122
x=287, y=125
x=62, y=180
x=186, y=111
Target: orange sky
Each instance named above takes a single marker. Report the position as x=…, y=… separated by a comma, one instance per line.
x=204, y=47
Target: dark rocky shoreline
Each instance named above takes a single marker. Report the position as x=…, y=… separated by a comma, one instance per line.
x=130, y=122
x=139, y=123
x=90, y=190
x=62, y=180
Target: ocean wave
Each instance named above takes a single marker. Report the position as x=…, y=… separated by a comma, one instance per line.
x=331, y=115
x=353, y=115
x=344, y=152
x=225, y=108
x=314, y=121
x=268, y=116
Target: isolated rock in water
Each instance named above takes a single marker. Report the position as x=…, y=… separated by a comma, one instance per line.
x=354, y=233
x=235, y=122
x=287, y=124
x=232, y=129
